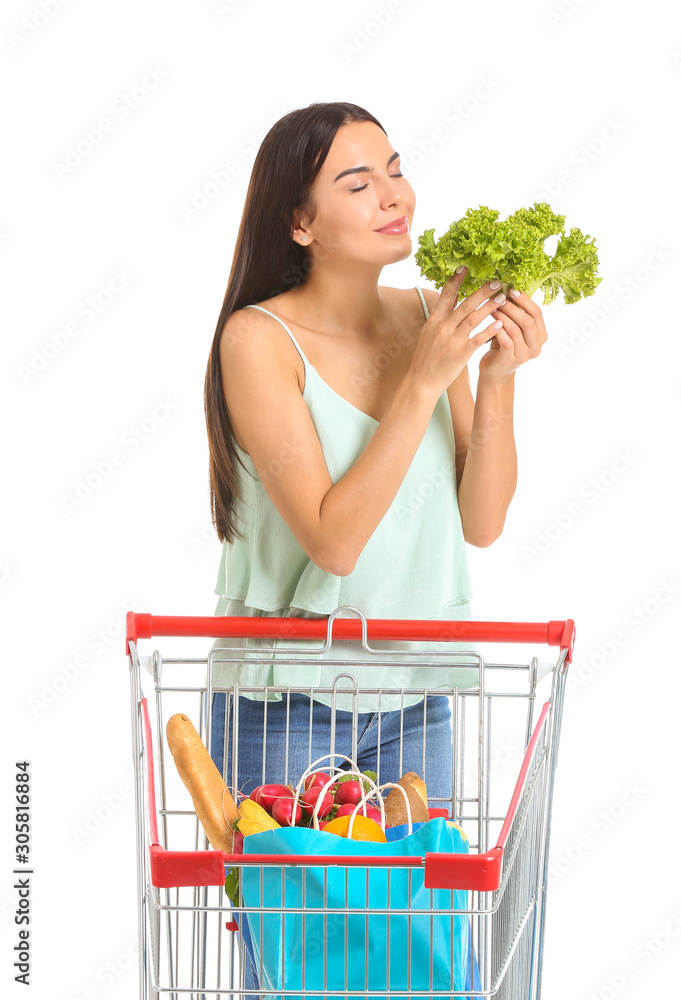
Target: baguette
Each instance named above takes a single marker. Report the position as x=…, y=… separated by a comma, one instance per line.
x=214, y=806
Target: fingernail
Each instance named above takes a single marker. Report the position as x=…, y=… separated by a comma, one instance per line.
x=494, y=284
x=498, y=325
x=460, y=269
x=515, y=293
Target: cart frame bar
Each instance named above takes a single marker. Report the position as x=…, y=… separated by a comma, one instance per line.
x=141, y=625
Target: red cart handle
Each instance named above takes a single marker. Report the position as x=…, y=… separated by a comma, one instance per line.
x=144, y=626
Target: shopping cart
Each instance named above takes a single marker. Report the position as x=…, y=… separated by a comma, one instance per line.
x=504, y=746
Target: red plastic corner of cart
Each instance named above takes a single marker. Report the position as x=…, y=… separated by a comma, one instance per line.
x=436, y=813
x=481, y=872
x=138, y=626
x=171, y=869
x=563, y=634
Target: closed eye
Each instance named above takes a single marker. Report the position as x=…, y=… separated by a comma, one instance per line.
x=353, y=190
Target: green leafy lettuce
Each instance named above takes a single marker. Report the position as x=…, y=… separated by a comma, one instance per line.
x=512, y=250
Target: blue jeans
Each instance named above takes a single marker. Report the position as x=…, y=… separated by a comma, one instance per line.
x=403, y=731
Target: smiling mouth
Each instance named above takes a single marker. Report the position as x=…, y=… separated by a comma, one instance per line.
x=400, y=223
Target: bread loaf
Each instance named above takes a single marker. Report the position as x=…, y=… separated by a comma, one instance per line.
x=214, y=806
x=396, y=808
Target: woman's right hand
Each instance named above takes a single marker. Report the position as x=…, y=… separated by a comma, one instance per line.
x=445, y=345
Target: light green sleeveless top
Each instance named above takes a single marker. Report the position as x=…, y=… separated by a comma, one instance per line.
x=414, y=565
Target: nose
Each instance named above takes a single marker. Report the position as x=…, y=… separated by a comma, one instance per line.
x=395, y=197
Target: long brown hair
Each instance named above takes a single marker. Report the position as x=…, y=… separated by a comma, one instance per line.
x=266, y=262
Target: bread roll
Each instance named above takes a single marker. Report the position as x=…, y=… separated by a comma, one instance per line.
x=214, y=806
x=396, y=808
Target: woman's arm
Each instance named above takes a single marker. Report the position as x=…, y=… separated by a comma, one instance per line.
x=485, y=454
x=461, y=402
x=490, y=471
x=462, y=406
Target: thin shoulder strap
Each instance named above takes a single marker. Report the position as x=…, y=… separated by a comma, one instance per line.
x=262, y=309
x=423, y=301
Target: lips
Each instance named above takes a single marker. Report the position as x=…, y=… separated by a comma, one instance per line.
x=395, y=224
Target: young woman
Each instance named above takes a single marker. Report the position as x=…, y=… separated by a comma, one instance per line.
x=345, y=440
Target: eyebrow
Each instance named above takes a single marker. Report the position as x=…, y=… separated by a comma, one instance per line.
x=362, y=170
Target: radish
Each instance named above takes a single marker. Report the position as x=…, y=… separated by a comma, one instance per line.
x=316, y=780
x=282, y=811
x=349, y=808
x=265, y=795
x=238, y=845
x=348, y=791
x=308, y=800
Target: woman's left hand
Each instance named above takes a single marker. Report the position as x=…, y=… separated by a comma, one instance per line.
x=521, y=337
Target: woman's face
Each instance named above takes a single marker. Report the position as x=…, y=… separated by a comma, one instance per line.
x=350, y=208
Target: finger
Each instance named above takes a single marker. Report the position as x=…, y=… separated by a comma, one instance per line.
x=522, y=326
x=467, y=318
x=449, y=293
x=471, y=301
x=475, y=307
x=506, y=342
x=501, y=340
x=530, y=307
x=513, y=335
x=486, y=336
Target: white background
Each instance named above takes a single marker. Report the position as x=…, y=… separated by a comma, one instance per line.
x=572, y=103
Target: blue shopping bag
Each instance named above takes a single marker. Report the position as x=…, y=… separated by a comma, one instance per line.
x=317, y=951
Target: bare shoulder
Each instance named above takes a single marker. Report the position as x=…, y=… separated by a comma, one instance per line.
x=245, y=328
x=408, y=302
x=251, y=337
x=431, y=296
x=254, y=363
x=407, y=305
